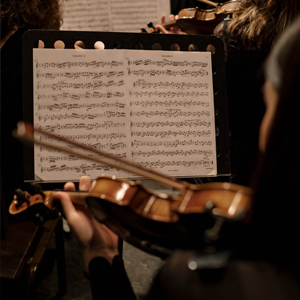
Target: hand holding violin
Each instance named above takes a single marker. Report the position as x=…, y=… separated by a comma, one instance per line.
x=95, y=239
x=170, y=30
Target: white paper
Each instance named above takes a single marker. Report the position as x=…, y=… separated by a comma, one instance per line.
x=113, y=15
x=154, y=108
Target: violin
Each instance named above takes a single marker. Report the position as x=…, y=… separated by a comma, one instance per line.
x=200, y=21
x=193, y=21
x=148, y=219
x=225, y=8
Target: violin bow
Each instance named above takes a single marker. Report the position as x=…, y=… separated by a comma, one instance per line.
x=26, y=131
x=209, y=2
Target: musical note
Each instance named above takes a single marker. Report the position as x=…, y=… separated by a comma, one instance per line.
x=87, y=107
x=152, y=72
x=174, y=113
x=137, y=143
x=178, y=85
x=166, y=62
x=77, y=75
x=193, y=123
x=80, y=64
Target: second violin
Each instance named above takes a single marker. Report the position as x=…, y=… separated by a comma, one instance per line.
x=200, y=21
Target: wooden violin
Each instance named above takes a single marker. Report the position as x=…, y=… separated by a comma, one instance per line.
x=225, y=8
x=200, y=21
x=193, y=21
x=140, y=216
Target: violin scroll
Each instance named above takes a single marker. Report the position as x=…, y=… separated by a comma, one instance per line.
x=40, y=207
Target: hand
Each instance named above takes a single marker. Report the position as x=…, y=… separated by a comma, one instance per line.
x=94, y=238
x=172, y=30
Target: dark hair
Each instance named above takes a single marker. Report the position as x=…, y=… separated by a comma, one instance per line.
x=276, y=216
x=39, y=14
x=259, y=23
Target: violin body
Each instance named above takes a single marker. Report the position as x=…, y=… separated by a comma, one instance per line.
x=228, y=7
x=155, y=222
x=202, y=21
x=198, y=21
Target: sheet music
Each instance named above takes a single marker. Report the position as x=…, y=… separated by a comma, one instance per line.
x=113, y=15
x=154, y=108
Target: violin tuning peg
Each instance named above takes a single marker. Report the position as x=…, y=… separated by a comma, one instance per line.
x=150, y=25
x=143, y=30
x=37, y=189
x=21, y=196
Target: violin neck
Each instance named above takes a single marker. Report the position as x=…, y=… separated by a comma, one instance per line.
x=77, y=197
x=168, y=25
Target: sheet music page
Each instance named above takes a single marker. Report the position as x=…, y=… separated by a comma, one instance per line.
x=113, y=15
x=154, y=108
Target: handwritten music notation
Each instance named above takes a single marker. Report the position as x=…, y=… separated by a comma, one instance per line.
x=144, y=110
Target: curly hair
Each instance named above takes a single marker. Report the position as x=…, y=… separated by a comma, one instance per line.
x=259, y=23
x=39, y=14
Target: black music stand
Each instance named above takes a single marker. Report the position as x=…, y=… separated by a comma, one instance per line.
x=142, y=41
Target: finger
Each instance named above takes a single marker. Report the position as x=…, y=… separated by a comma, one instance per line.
x=171, y=17
x=93, y=184
x=163, y=19
x=161, y=29
x=69, y=186
x=66, y=204
x=84, y=183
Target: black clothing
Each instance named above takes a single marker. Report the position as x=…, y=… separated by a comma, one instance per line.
x=243, y=280
x=244, y=77
x=110, y=282
x=11, y=111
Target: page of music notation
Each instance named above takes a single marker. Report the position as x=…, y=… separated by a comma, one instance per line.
x=154, y=108
x=113, y=15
